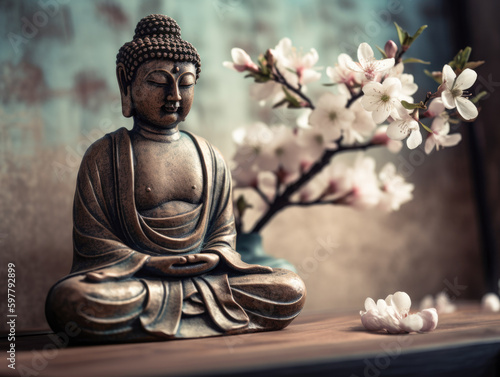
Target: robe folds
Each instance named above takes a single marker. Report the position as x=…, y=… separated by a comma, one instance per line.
x=110, y=235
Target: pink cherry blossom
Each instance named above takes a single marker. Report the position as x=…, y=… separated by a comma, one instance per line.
x=241, y=61
x=367, y=63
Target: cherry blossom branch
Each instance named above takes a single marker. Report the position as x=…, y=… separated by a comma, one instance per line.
x=262, y=195
x=336, y=201
x=353, y=98
x=283, y=200
x=280, y=79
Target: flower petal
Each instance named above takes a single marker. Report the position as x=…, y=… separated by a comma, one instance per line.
x=451, y=140
x=384, y=64
x=466, y=79
x=436, y=107
x=229, y=65
x=392, y=86
x=343, y=59
x=370, y=103
x=414, y=140
x=371, y=321
x=330, y=72
x=310, y=58
x=365, y=53
x=381, y=306
x=401, y=302
x=440, y=126
x=239, y=56
x=430, y=143
x=354, y=66
x=490, y=302
x=466, y=108
x=448, y=76
x=411, y=323
x=395, y=131
x=448, y=99
x=381, y=113
x=309, y=75
x=370, y=304
x=373, y=89
x=430, y=319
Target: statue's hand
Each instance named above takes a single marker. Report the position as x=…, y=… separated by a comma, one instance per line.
x=188, y=265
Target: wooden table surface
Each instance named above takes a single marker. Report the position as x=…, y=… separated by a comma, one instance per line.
x=466, y=343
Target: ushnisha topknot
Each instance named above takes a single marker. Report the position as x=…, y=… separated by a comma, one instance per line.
x=156, y=37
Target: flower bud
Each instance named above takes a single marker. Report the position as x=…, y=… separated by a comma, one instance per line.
x=390, y=49
x=270, y=57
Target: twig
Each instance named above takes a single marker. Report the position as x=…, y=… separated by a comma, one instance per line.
x=280, y=79
x=337, y=201
x=262, y=195
x=353, y=98
x=283, y=200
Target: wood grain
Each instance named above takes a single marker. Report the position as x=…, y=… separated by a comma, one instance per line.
x=465, y=342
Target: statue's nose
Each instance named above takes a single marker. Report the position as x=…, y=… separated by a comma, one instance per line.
x=174, y=94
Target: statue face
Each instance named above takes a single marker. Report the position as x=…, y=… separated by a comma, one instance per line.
x=163, y=92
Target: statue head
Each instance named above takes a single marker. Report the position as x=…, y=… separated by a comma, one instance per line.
x=156, y=72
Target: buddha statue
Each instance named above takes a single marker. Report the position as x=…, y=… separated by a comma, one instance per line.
x=153, y=235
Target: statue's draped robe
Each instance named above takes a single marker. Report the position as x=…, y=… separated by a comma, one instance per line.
x=109, y=234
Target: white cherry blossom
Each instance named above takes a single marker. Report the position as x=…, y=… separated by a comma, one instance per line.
x=392, y=315
x=332, y=182
x=382, y=99
x=364, y=185
x=408, y=86
x=241, y=61
x=367, y=64
x=435, y=108
x=287, y=56
x=341, y=73
x=395, y=190
x=439, y=137
x=312, y=145
x=454, y=88
x=269, y=90
x=403, y=127
x=442, y=303
x=331, y=116
x=361, y=127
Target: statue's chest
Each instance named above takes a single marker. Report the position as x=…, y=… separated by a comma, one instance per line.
x=166, y=173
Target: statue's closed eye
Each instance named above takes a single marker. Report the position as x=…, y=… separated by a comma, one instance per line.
x=186, y=80
x=158, y=78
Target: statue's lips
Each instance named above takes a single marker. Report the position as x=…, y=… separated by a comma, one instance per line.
x=170, y=108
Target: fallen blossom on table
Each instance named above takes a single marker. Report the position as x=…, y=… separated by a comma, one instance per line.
x=442, y=303
x=490, y=303
x=393, y=315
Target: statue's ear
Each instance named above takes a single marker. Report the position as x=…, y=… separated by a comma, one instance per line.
x=125, y=91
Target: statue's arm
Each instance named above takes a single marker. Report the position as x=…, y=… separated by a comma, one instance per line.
x=221, y=237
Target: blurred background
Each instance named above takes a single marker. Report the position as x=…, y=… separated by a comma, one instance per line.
x=58, y=94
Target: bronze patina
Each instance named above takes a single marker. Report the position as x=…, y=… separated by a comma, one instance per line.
x=154, y=237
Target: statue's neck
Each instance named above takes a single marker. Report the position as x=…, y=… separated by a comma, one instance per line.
x=156, y=134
